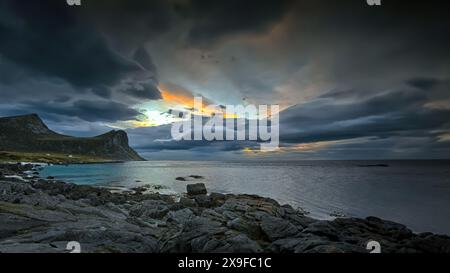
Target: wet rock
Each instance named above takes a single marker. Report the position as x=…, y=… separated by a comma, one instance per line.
x=236, y=205
x=196, y=189
x=13, y=224
x=300, y=221
x=214, y=216
x=333, y=247
x=203, y=201
x=239, y=243
x=13, y=247
x=253, y=230
x=196, y=176
x=201, y=235
x=194, y=236
x=323, y=229
x=217, y=199
x=389, y=228
x=373, y=165
x=430, y=243
x=139, y=190
x=276, y=228
x=188, y=202
x=286, y=245
x=230, y=215
x=180, y=216
x=254, y=205
x=150, y=208
x=217, y=196
x=337, y=214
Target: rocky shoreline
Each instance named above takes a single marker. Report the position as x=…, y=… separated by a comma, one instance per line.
x=43, y=215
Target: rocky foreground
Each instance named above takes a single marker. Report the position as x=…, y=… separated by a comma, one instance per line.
x=42, y=215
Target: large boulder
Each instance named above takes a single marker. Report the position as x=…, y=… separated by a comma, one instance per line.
x=196, y=189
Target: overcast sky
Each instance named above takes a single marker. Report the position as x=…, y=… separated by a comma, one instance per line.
x=352, y=80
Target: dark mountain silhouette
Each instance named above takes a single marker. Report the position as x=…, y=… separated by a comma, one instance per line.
x=28, y=134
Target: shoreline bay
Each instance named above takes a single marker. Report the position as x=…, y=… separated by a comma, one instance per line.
x=43, y=215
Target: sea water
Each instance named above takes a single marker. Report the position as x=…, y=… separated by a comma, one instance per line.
x=414, y=193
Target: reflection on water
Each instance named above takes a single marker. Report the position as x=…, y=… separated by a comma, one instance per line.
x=416, y=193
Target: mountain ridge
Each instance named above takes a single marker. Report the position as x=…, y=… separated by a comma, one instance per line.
x=29, y=134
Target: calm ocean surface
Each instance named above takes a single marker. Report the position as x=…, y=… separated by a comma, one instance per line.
x=415, y=193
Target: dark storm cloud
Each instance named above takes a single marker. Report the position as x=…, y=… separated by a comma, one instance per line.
x=383, y=65
x=102, y=91
x=341, y=94
x=395, y=147
x=143, y=58
x=10, y=72
x=398, y=113
x=158, y=138
x=143, y=86
x=129, y=24
x=48, y=43
x=103, y=110
x=340, y=45
x=214, y=19
x=46, y=38
x=397, y=116
x=146, y=90
x=358, y=72
x=61, y=99
x=98, y=110
x=423, y=83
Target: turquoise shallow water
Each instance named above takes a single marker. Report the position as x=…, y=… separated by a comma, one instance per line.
x=415, y=193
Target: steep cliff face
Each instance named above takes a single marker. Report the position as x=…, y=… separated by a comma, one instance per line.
x=29, y=134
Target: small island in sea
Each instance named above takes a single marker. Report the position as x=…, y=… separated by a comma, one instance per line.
x=43, y=214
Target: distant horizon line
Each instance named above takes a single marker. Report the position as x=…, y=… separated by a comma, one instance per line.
x=284, y=160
